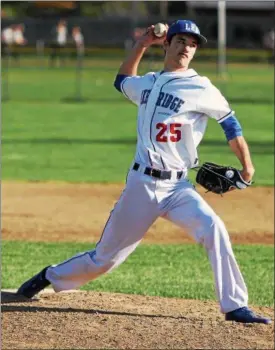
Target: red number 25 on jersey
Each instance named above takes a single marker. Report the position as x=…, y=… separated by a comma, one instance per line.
x=171, y=131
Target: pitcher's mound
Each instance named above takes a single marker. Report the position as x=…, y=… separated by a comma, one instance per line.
x=92, y=320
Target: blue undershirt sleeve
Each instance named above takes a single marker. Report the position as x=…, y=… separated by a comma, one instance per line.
x=232, y=128
x=119, y=79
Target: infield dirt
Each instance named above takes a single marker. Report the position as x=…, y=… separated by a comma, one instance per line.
x=78, y=212
x=92, y=320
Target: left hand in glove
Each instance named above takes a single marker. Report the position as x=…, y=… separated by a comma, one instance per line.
x=221, y=179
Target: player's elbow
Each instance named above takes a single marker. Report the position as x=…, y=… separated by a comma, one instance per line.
x=232, y=128
x=118, y=81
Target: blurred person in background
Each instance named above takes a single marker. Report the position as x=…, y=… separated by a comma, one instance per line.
x=12, y=39
x=18, y=35
x=18, y=39
x=78, y=40
x=3, y=13
x=60, y=37
x=269, y=42
x=7, y=40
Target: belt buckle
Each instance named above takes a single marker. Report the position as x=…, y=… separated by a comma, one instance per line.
x=151, y=172
x=148, y=171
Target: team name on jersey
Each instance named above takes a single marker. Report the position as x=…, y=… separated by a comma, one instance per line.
x=144, y=96
x=164, y=100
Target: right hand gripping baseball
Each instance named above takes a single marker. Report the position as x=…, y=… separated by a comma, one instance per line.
x=149, y=38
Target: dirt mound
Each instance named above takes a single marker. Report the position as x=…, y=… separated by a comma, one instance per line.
x=92, y=320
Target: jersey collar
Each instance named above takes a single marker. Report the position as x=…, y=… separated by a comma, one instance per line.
x=186, y=74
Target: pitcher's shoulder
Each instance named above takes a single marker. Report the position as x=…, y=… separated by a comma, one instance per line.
x=152, y=76
x=203, y=81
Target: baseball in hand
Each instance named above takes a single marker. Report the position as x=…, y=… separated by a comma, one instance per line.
x=160, y=30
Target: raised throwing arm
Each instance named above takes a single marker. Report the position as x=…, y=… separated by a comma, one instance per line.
x=130, y=64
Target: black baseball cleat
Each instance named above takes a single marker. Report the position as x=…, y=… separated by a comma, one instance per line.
x=245, y=315
x=34, y=285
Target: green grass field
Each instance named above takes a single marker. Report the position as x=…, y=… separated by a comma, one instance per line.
x=165, y=270
x=45, y=138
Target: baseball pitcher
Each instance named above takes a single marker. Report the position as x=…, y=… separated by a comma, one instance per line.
x=174, y=106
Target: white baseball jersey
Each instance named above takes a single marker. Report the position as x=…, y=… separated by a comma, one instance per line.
x=173, y=110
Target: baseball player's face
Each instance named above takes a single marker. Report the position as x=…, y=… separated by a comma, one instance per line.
x=181, y=50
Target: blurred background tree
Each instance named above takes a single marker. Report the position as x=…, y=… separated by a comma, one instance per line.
x=98, y=9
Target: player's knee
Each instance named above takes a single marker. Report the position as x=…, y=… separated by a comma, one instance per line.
x=214, y=231
x=105, y=261
x=99, y=260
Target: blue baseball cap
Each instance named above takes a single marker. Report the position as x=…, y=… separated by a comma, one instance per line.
x=185, y=26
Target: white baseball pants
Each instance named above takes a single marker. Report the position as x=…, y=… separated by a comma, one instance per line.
x=143, y=200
